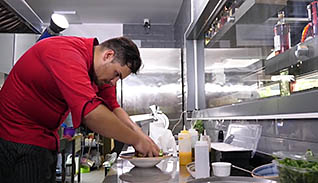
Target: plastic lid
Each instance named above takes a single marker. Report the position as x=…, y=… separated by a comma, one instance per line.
x=245, y=135
x=205, y=138
x=193, y=131
x=184, y=131
x=295, y=156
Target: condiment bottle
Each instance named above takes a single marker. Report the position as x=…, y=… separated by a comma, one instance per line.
x=282, y=40
x=185, y=154
x=194, y=138
x=207, y=138
x=202, y=163
x=220, y=136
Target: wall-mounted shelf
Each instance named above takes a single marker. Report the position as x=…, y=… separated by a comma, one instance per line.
x=288, y=58
x=196, y=30
x=250, y=12
x=295, y=106
x=261, y=117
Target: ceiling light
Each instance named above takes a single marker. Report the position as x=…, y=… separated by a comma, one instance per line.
x=58, y=23
x=65, y=12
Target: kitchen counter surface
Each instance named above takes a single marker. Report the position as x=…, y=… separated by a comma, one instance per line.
x=167, y=171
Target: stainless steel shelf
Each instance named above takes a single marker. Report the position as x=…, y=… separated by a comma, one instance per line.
x=250, y=12
x=296, y=106
x=208, y=14
x=289, y=59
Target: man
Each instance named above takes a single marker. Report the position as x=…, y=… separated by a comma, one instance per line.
x=108, y=93
x=56, y=76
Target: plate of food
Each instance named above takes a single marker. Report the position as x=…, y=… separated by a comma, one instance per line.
x=144, y=162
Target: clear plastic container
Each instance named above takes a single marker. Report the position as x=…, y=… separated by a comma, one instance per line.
x=244, y=135
x=296, y=167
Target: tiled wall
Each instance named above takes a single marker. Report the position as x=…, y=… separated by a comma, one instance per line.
x=158, y=36
x=294, y=135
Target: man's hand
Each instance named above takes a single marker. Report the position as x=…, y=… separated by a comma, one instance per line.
x=124, y=117
x=146, y=146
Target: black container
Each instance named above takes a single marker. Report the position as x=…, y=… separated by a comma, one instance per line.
x=237, y=158
x=220, y=136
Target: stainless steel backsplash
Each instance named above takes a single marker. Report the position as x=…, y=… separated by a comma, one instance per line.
x=157, y=83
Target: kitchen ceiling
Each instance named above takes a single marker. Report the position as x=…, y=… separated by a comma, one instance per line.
x=159, y=12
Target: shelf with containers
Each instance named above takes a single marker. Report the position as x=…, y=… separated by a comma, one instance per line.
x=246, y=82
x=230, y=18
x=241, y=67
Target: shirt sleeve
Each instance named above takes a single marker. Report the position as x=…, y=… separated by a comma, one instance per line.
x=108, y=93
x=69, y=69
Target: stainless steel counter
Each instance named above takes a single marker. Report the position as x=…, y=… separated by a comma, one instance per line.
x=167, y=171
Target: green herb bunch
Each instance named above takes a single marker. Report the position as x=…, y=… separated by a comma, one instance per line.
x=297, y=170
x=199, y=126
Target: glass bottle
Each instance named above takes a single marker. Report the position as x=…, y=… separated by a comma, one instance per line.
x=284, y=84
x=282, y=40
x=313, y=15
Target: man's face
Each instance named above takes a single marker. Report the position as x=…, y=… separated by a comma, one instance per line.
x=109, y=71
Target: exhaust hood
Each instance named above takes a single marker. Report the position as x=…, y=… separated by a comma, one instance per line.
x=16, y=16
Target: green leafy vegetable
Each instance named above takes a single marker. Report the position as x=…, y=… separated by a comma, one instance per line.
x=297, y=170
x=199, y=126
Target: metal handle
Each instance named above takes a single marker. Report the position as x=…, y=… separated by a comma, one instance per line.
x=244, y=170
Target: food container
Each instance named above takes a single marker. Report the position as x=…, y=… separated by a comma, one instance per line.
x=221, y=169
x=292, y=174
x=69, y=131
x=85, y=169
x=296, y=167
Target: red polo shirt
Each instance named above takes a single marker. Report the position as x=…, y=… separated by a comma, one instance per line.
x=49, y=80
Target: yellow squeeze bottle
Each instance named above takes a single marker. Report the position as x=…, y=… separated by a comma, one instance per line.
x=185, y=154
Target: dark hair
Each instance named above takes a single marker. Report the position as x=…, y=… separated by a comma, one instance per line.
x=126, y=52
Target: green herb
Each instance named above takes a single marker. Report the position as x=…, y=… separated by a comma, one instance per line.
x=198, y=125
x=297, y=171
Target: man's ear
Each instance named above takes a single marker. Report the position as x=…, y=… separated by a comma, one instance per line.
x=108, y=55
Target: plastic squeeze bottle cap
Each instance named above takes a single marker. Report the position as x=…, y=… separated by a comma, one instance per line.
x=194, y=136
x=184, y=130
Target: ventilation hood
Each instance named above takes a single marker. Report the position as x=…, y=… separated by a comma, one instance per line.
x=16, y=16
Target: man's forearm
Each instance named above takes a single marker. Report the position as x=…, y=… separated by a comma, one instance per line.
x=124, y=117
x=104, y=122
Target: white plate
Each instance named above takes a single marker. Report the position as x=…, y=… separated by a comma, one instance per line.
x=143, y=162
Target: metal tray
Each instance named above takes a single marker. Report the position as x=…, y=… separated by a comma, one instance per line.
x=231, y=179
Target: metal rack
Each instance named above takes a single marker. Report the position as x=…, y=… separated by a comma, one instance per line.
x=296, y=106
x=304, y=53
x=257, y=9
x=250, y=12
